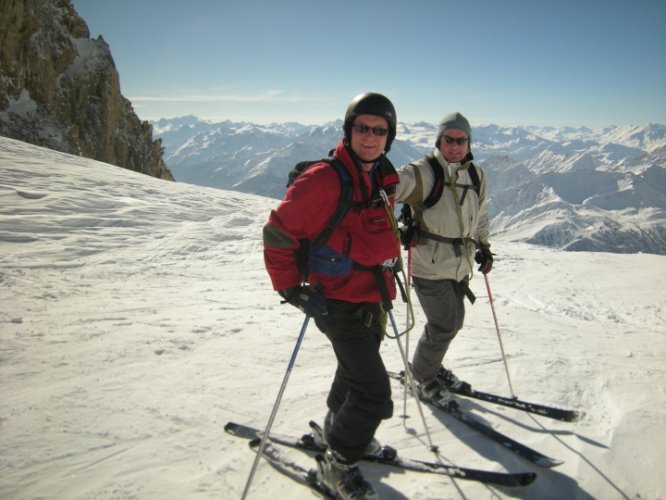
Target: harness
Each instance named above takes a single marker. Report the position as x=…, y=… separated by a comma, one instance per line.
x=413, y=232
x=315, y=255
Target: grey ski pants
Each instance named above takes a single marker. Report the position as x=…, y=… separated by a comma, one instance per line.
x=442, y=303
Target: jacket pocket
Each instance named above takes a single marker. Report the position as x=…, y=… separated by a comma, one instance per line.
x=324, y=260
x=375, y=221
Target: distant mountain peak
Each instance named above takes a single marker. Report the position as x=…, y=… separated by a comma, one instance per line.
x=547, y=186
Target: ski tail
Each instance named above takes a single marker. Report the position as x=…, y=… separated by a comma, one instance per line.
x=307, y=477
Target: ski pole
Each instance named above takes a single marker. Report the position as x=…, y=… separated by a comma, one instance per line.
x=499, y=336
x=409, y=380
x=264, y=437
x=407, y=327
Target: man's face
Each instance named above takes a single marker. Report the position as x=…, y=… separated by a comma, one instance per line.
x=450, y=147
x=365, y=141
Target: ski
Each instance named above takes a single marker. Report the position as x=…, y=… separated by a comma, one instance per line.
x=388, y=456
x=465, y=389
x=306, y=477
x=520, y=449
x=553, y=412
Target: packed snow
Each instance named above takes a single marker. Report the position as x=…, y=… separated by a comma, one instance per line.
x=136, y=319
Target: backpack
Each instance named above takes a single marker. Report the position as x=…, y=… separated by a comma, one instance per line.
x=307, y=247
x=409, y=234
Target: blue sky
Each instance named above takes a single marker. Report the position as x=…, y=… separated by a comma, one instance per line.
x=510, y=62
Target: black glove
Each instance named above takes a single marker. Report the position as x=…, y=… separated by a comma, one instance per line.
x=310, y=301
x=484, y=258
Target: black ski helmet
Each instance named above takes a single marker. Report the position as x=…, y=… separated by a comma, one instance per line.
x=371, y=103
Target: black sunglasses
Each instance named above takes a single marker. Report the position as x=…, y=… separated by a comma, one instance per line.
x=364, y=129
x=455, y=140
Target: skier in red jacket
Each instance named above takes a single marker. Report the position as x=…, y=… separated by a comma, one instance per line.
x=345, y=299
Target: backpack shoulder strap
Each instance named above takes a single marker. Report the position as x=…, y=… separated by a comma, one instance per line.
x=438, y=185
x=474, y=175
x=344, y=202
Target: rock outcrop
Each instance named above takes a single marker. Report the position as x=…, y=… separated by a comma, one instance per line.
x=60, y=89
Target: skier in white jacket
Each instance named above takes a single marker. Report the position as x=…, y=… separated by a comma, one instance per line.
x=450, y=234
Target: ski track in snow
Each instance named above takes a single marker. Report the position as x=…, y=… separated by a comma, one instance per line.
x=136, y=319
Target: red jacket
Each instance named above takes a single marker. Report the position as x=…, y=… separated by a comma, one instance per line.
x=364, y=235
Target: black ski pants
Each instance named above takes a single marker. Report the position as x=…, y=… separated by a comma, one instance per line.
x=360, y=396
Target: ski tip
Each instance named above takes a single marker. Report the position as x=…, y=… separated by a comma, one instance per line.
x=564, y=415
x=547, y=462
x=577, y=415
x=528, y=478
x=268, y=445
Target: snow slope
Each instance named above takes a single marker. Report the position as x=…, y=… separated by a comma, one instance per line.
x=136, y=319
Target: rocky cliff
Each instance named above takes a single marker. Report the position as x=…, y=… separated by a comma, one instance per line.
x=60, y=89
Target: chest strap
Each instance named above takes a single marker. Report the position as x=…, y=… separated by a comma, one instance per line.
x=456, y=242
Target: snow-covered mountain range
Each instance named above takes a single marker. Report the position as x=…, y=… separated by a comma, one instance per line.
x=571, y=188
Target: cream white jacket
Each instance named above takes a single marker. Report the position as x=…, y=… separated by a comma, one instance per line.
x=447, y=218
